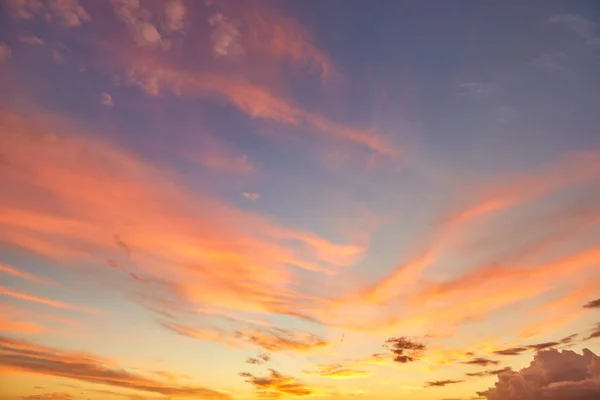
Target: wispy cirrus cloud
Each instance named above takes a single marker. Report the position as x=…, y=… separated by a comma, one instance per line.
x=7, y=269
x=41, y=300
x=254, y=100
x=243, y=249
x=339, y=371
x=580, y=26
x=30, y=357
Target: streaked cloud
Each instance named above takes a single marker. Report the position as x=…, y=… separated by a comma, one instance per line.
x=7, y=269
x=256, y=101
x=338, y=371
x=580, y=26
x=30, y=38
x=49, y=396
x=41, y=300
x=30, y=357
x=442, y=383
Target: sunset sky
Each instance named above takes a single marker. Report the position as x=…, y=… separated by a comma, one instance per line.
x=329, y=199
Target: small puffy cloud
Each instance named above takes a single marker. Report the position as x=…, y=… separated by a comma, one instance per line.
x=138, y=18
x=30, y=38
x=145, y=34
x=224, y=39
x=253, y=196
x=68, y=13
x=552, y=62
x=593, y=304
x=5, y=52
x=277, y=385
x=551, y=375
x=442, y=383
x=106, y=99
x=260, y=359
x=175, y=12
x=23, y=9
x=404, y=349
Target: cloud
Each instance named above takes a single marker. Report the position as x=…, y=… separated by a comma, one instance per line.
x=52, y=303
x=106, y=99
x=278, y=339
x=552, y=62
x=7, y=269
x=404, y=349
x=593, y=304
x=30, y=38
x=137, y=18
x=338, y=371
x=24, y=9
x=247, y=260
x=265, y=337
x=595, y=333
x=254, y=100
x=477, y=90
x=252, y=196
x=49, y=396
x=5, y=52
x=441, y=383
x=29, y=357
x=69, y=13
x=224, y=38
x=551, y=374
x=277, y=385
x=175, y=13
x=484, y=362
x=261, y=359
x=11, y=320
x=580, y=26
x=489, y=373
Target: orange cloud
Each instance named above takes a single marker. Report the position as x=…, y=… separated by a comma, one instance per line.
x=21, y=274
x=338, y=371
x=197, y=252
x=250, y=98
x=277, y=385
x=29, y=357
x=52, y=303
x=11, y=321
x=265, y=337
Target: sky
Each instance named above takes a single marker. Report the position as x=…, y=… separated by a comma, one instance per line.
x=334, y=199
